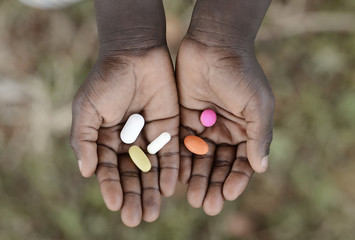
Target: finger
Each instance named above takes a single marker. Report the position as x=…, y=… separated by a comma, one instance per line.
x=169, y=166
x=198, y=183
x=131, y=213
x=239, y=175
x=185, y=156
x=151, y=194
x=190, y=125
x=259, y=118
x=109, y=178
x=168, y=156
x=84, y=132
x=214, y=199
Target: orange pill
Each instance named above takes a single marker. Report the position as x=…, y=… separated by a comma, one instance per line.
x=196, y=145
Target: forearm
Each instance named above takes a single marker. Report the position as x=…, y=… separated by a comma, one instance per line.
x=125, y=25
x=227, y=22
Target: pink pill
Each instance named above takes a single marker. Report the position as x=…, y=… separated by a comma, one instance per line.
x=208, y=118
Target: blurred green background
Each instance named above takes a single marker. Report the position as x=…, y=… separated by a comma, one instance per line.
x=307, y=50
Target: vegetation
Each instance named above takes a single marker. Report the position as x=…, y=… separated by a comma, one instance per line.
x=307, y=50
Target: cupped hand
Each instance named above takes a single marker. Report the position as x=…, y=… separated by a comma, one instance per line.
x=231, y=82
x=119, y=85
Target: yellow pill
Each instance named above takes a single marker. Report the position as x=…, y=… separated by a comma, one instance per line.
x=139, y=158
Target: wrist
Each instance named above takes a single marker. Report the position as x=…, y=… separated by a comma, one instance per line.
x=210, y=33
x=131, y=41
x=227, y=22
x=130, y=25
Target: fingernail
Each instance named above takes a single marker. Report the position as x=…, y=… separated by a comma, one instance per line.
x=264, y=162
x=80, y=165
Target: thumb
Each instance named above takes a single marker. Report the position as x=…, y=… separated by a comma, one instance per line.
x=84, y=133
x=259, y=118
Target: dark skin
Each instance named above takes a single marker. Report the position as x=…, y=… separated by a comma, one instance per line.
x=133, y=74
x=113, y=91
x=218, y=78
x=216, y=68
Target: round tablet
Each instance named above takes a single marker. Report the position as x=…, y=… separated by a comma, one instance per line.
x=208, y=118
x=196, y=145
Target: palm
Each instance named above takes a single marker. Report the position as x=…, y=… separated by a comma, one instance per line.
x=116, y=88
x=216, y=78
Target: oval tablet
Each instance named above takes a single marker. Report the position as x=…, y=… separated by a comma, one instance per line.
x=196, y=145
x=208, y=118
x=139, y=158
x=132, y=128
x=159, y=143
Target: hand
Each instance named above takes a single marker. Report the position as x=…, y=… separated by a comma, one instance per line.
x=231, y=82
x=119, y=85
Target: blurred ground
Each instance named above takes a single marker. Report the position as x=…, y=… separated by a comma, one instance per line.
x=307, y=49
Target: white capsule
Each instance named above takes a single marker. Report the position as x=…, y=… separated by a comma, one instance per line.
x=132, y=128
x=158, y=143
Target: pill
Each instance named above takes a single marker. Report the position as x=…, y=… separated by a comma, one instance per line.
x=158, y=143
x=132, y=128
x=208, y=118
x=196, y=145
x=139, y=158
